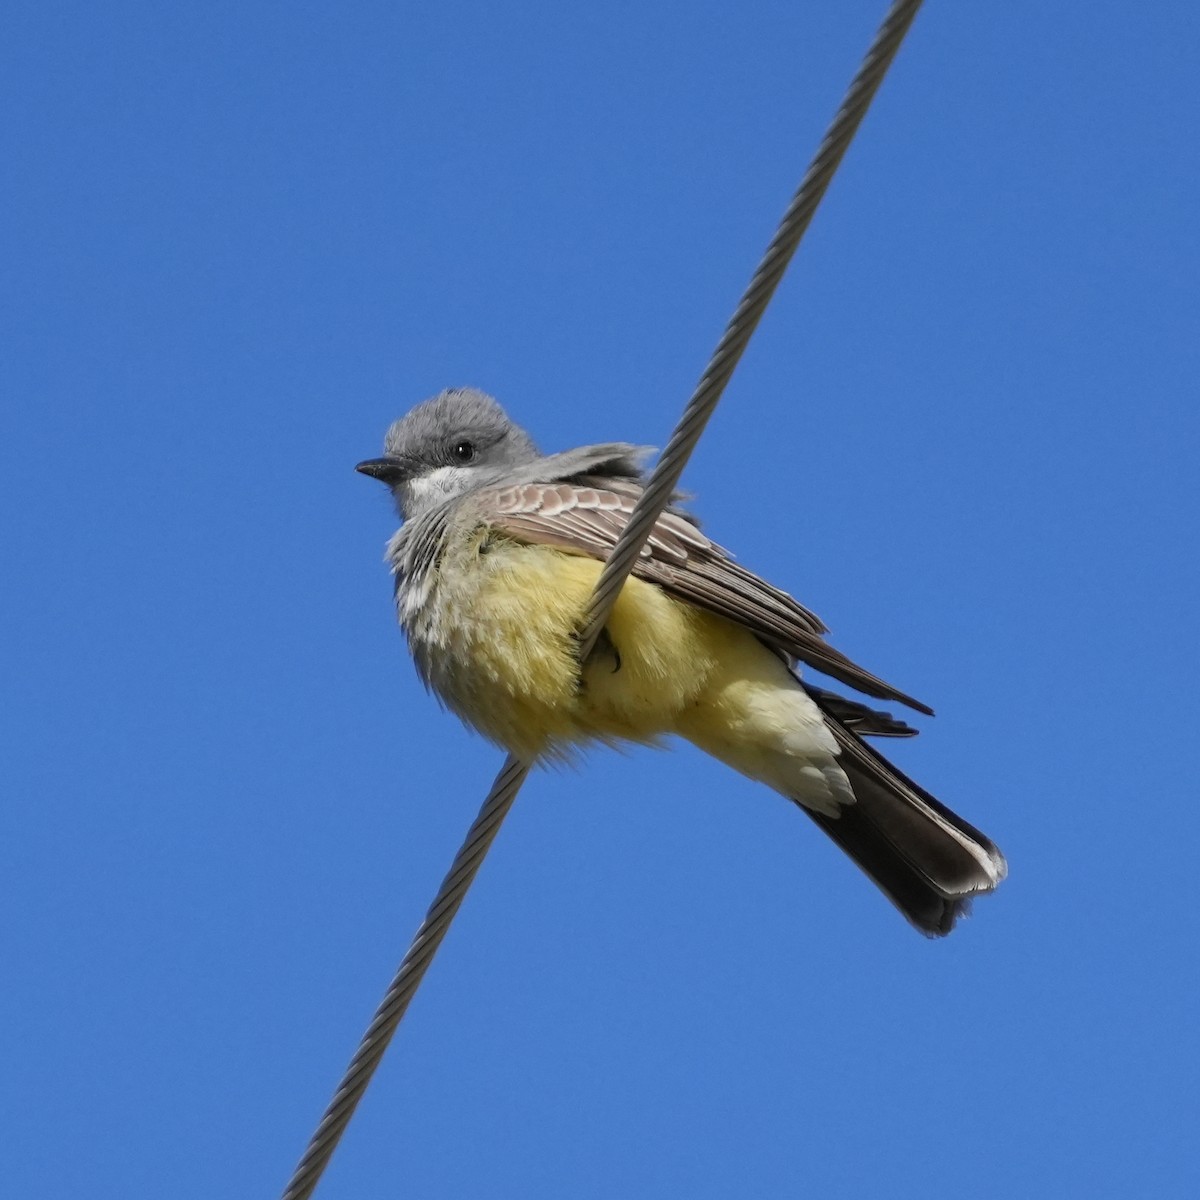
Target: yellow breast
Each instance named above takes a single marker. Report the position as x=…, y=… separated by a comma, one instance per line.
x=502, y=650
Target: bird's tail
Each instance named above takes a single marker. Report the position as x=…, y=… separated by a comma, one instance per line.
x=926, y=859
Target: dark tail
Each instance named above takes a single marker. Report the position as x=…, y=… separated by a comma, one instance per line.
x=926, y=859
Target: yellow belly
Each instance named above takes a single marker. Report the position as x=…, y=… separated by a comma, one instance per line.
x=500, y=650
x=504, y=655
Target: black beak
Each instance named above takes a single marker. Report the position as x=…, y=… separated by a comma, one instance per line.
x=387, y=470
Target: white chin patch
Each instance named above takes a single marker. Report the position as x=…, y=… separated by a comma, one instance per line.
x=440, y=483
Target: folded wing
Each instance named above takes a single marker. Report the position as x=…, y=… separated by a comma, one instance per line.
x=585, y=515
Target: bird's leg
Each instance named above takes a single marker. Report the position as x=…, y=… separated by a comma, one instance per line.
x=604, y=648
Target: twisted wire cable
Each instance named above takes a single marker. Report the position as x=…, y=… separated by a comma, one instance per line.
x=650, y=505
x=749, y=312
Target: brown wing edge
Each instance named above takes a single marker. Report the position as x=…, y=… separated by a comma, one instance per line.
x=684, y=562
x=780, y=625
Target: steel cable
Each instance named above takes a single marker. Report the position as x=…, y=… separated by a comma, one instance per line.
x=650, y=505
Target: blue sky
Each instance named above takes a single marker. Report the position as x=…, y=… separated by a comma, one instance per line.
x=239, y=240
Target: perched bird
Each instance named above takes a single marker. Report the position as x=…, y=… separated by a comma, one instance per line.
x=498, y=554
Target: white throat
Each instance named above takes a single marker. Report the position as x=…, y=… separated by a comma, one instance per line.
x=425, y=491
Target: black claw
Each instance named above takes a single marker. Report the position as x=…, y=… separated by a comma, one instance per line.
x=605, y=643
x=604, y=646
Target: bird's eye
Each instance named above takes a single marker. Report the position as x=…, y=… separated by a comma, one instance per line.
x=464, y=451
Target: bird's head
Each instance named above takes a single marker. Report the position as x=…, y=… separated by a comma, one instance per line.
x=458, y=440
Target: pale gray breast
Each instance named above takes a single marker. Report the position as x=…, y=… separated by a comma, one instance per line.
x=415, y=554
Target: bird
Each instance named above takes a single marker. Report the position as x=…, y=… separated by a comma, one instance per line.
x=497, y=555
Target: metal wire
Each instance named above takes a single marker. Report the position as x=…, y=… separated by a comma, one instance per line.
x=408, y=978
x=650, y=505
x=749, y=311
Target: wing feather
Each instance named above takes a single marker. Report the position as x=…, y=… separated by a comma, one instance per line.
x=586, y=515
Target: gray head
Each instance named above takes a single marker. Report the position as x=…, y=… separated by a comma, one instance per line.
x=457, y=440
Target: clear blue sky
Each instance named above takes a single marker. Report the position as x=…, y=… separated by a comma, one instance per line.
x=238, y=240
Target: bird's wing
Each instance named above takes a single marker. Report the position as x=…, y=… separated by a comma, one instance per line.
x=585, y=516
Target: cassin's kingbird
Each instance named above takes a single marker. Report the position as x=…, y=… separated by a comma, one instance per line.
x=496, y=559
